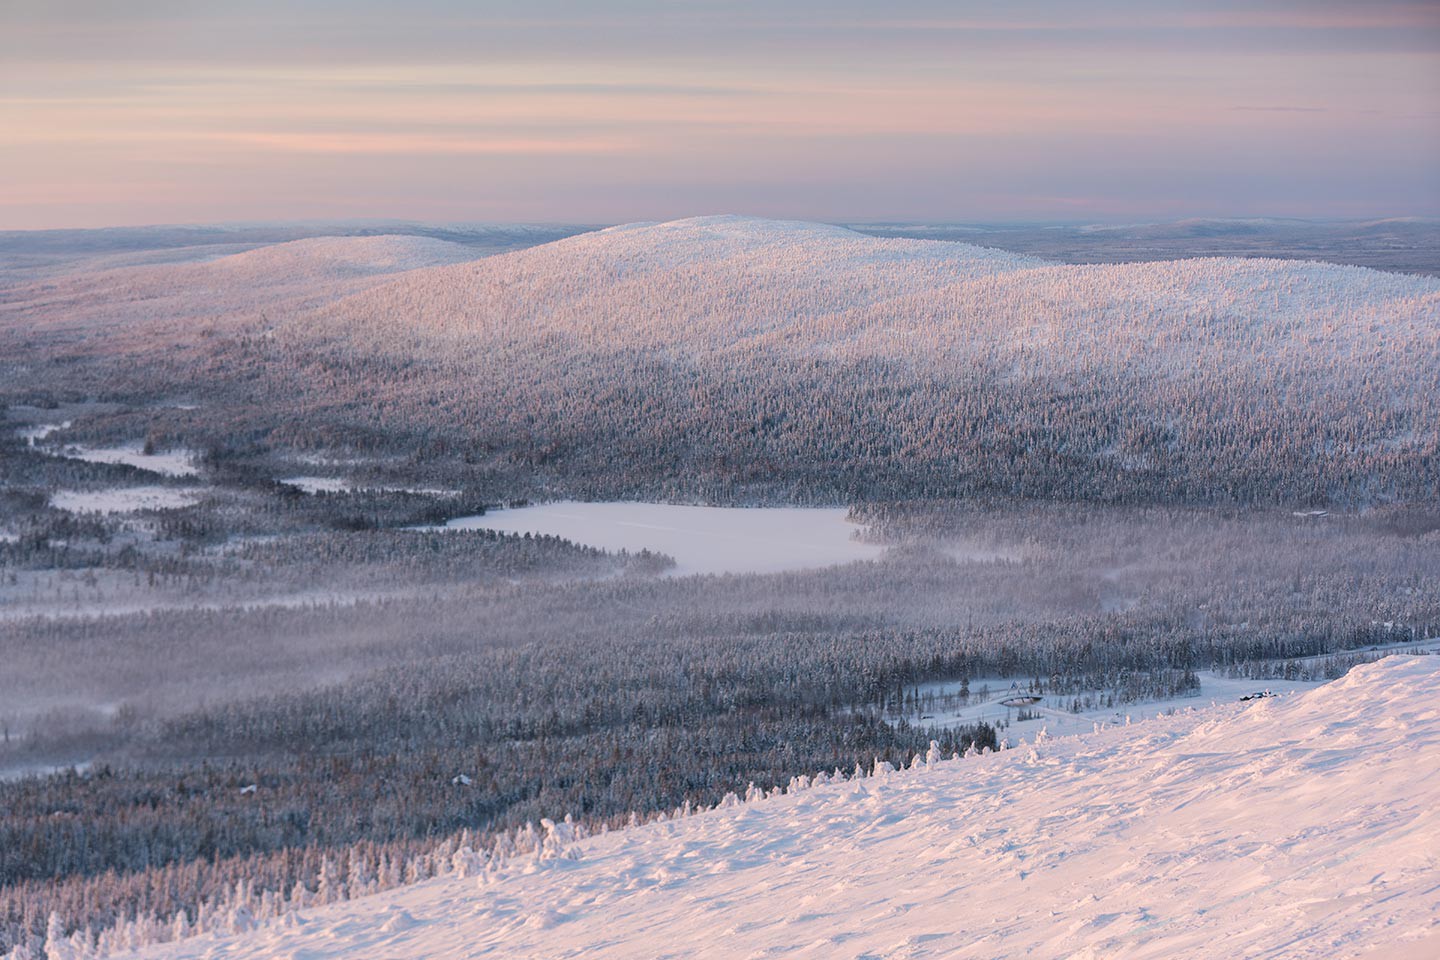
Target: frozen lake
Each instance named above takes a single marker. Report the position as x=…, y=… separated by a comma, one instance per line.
x=701, y=539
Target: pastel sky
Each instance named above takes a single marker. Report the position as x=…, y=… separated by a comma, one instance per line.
x=162, y=111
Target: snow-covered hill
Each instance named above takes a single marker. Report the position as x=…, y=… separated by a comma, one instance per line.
x=290, y=276
x=738, y=357
x=335, y=257
x=761, y=292
x=1299, y=827
x=728, y=282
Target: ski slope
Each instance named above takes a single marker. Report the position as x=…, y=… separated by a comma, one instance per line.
x=1306, y=826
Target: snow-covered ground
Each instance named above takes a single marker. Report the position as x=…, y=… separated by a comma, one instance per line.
x=171, y=463
x=701, y=539
x=1302, y=826
x=1055, y=713
x=318, y=484
x=125, y=499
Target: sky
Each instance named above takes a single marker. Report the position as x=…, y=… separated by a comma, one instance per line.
x=180, y=111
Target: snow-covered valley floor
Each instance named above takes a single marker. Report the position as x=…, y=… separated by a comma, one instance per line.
x=1304, y=826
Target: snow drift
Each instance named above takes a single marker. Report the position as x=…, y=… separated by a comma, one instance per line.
x=1298, y=827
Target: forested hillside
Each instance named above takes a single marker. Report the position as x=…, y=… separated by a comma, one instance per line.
x=734, y=359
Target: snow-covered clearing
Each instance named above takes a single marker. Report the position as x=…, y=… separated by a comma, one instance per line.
x=125, y=499
x=941, y=706
x=314, y=485
x=317, y=484
x=1302, y=826
x=1054, y=714
x=19, y=772
x=701, y=539
x=171, y=463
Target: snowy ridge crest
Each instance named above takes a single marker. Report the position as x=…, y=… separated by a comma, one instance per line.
x=740, y=284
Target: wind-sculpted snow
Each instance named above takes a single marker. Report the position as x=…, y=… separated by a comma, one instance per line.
x=1298, y=827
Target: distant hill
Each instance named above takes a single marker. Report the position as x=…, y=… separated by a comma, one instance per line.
x=29, y=255
x=290, y=276
x=1403, y=244
x=735, y=358
x=336, y=257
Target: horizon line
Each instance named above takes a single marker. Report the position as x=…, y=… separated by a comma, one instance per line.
x=361, y=221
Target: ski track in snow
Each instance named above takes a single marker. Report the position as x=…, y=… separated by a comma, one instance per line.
x=1302, y=827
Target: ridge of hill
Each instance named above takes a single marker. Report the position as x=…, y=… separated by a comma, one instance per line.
x=740, y=273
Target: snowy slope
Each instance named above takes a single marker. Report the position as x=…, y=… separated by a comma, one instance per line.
x=686, y=281
x=1301, y=827
x=337, y=257
x=748, y=292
